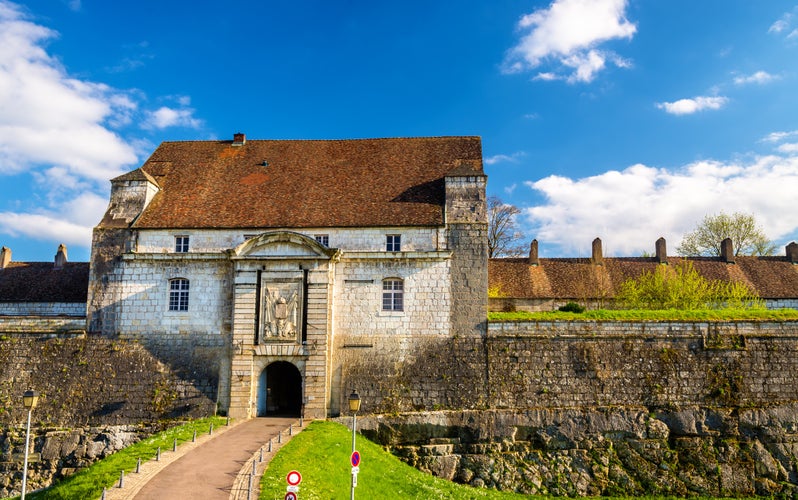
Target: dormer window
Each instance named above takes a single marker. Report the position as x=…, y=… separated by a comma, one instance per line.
x=393, y=243
x=181, y=244
x=323, y=239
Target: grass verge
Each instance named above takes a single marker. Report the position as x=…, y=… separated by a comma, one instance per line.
x=89, y=482
x=649, y=315
x=321, y=454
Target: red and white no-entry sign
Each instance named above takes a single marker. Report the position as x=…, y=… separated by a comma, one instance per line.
x=293, y=478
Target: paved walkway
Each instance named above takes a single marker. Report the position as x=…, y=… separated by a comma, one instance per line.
x=218, y=466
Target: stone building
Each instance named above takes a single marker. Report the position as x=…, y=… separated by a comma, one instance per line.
x=275, y=266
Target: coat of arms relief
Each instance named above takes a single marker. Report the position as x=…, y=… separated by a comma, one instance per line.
x=280, y=312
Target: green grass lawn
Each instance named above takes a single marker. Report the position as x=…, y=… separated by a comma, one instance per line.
x=89, y=482
x=647, y=315
x=321, y=453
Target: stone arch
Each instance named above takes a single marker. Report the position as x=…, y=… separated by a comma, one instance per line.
x=280, y=390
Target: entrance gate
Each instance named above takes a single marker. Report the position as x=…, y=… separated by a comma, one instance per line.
x=280, y=390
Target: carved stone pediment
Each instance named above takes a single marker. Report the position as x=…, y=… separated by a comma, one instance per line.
x=282, y=245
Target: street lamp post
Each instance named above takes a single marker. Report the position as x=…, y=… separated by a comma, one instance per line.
x=354, y=407
x=29, y=399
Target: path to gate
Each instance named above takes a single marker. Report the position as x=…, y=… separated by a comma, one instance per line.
x=215, y=467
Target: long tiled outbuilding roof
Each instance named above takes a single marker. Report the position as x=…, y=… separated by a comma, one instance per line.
x=304, y=183
x=580, y=278
x=42, y=282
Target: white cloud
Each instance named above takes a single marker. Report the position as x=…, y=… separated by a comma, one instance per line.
x=47, y=226
x=790, y=147
x=49, y=118
x=780, y=136
x=630, y=209
x=64, y=133
x=165, y=117
x=500, y=158
x=568, y=33
x=694, y=105
x=760, y=77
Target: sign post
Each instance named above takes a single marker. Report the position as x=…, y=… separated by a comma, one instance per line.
x=293, y=479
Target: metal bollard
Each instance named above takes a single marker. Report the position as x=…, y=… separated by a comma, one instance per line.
x=210, y=430
x=270, y=446
x=300, y=421
x=254, y=468
x=103, y=497
x=280, y=437
x=249, y=488
x=194, y=437
x=138, y=465
x=174, y=445
x=121, y=478
x=290, y=429
x=228, y=422
x=260, y=460
x=158, y=455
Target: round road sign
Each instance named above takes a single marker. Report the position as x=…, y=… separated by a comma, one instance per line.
x=294, y=478
x=290, y=496
x=355, y=458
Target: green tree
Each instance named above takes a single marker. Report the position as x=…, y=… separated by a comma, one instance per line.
x=746, y=236
x=681, y=287
x=504, y=236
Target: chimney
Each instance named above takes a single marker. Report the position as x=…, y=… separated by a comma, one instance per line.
x=598, y=258
x=60, y=257
x=5, y=257
x=533, y=253
x=662, y=251
x=727, y=251
x=239, y=139
x=792, y=252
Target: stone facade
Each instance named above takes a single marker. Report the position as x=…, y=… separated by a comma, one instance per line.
x=287, y=317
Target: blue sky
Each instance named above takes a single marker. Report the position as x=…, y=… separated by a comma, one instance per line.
x=626, y=120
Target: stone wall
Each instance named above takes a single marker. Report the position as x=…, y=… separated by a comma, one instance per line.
x=93, y=381
x=42, y=309
x=535, y=305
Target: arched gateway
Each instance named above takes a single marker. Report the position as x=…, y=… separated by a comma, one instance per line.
x=280, y=391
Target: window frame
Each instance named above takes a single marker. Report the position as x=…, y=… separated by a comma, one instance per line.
x=393, y=296
x=179, y=295
x=182, y=243
x=322, y=239
x=393, y=242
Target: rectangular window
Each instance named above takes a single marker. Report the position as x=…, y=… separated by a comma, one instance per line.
x=178, y=294
x=181, y=244
x=393, y=242
x=323, y=239
x=392, y=295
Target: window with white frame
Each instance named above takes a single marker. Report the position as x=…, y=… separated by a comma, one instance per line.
x=393, y=291
x=181, y=244
x=178, y=294
x=393, y=242
x=323, y=239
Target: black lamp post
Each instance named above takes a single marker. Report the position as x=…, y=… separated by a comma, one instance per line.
x=354, y=407
x=30, y=399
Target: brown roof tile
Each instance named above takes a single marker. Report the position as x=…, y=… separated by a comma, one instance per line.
x=326, y=183
x=771, y=277
x=41, y=282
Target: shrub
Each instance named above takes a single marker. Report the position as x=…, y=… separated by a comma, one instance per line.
x=681, y=287
x=572, y=307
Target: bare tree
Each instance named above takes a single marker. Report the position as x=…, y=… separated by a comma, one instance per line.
x=746, y=235
x=504, y=236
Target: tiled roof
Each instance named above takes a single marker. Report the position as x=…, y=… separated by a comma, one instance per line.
x=41, y=282
x=578, y=278
x=325, y=183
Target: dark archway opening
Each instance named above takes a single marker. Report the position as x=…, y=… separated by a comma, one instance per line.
x=280, y=391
